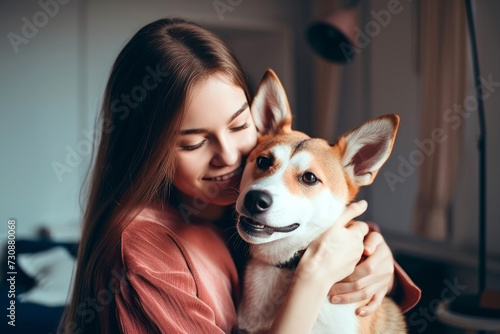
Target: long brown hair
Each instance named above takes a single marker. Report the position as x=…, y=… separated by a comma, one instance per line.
x=142, y=110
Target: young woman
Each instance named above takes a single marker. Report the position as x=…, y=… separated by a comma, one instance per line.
x=157, y=252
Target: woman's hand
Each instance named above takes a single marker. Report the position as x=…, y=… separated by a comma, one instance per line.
x=334, y=255
x=371, y=279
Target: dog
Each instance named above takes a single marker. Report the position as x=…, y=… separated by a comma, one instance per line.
x=293, y=188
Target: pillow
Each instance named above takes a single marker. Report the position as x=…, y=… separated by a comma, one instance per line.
x=53, y=272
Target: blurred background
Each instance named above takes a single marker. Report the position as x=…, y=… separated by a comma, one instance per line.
x=56, y=56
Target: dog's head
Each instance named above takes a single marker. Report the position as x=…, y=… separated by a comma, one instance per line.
x=294, y=187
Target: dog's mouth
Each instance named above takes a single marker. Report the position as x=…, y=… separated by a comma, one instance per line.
x=251, y=226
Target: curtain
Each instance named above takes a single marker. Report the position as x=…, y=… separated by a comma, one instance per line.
x=326, y=85
x=442, y=65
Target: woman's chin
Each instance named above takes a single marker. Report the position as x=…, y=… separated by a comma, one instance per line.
x=223, y=192
x=226, y=200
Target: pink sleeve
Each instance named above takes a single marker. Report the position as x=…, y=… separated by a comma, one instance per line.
x=161, y=294
x=404, y=292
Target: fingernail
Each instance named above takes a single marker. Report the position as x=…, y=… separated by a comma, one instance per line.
x=362, y=313
x=369, y=249
x=335, y=300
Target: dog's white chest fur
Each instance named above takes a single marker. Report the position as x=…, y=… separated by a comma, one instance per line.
x=265, y=289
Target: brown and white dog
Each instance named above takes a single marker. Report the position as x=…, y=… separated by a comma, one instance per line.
x=293, y=188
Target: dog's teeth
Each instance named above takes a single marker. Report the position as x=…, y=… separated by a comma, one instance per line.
x=259, y=226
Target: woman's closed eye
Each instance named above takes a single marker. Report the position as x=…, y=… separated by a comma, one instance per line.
x=196, y=146
x=241, y=127
x=192, y=147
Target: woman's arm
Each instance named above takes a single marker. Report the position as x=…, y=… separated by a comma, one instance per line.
x=327, y=260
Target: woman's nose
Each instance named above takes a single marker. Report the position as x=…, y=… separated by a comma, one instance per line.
x=226, y=153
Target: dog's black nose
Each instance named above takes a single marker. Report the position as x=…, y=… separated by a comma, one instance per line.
x=257, y=201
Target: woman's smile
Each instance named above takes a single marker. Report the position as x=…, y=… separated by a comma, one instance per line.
x=228, y=183
x=225, y=176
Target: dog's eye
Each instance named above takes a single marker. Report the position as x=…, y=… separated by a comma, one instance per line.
x=309, y=178
x=264, y=162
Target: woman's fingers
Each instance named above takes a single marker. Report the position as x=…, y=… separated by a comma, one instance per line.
x=374, y=265
x=379, y=262
x=372, y=306
x=361, y=227
x=345, y=286
x=359, y=295
x=372, y=241
x=365, y=273
x=377, y=269
x=352, y=211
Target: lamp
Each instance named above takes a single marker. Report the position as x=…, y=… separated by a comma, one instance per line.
x=333, y=36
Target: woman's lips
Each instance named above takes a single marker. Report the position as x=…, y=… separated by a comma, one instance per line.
x=228, y=182
x=226, y=176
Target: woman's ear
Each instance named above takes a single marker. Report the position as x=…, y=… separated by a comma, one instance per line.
x=270, y=109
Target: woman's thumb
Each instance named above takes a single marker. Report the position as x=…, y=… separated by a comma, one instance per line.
x=352, y=211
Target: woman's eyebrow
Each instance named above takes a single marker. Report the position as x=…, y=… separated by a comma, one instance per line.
x=236, y=114
x=201, y=130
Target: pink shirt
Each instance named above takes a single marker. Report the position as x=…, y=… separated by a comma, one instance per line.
x=182, y=277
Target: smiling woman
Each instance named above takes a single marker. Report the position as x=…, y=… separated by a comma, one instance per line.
x=148, y=170
x=160, y=208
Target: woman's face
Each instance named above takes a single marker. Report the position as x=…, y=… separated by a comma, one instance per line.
x=217, y=134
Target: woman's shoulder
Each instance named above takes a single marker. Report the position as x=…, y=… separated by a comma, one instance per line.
x=150, y=239
x=156, y=218
x=161, y=214
x=159, y=233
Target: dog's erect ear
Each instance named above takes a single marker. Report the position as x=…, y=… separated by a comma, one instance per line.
x=366, y=148
x=270, y=109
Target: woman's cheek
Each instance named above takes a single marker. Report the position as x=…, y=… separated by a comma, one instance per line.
x=186, y=166
x=249, y=141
